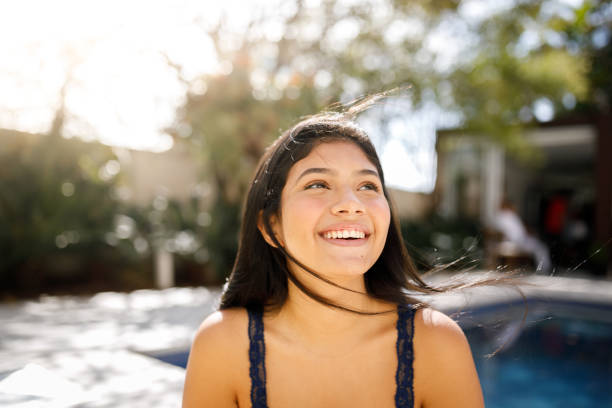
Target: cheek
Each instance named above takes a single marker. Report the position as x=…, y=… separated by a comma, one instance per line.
x=382, y=213
x=306, y=206
x=301, y=216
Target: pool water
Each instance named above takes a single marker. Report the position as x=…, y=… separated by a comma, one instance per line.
x=556, y=362
x=178, y=358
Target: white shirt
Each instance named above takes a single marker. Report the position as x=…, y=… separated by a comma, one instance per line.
x=508, y=223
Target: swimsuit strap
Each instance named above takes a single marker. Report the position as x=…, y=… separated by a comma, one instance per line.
x=404, y=396
x=257, y=359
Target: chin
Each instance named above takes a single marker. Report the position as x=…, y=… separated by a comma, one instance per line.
x=348, y=269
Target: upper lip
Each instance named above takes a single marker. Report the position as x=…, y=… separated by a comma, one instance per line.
x=347, y=227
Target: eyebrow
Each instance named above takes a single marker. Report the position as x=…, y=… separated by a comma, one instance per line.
x=325, y=170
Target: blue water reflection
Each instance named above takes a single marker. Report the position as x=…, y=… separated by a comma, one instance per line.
x=556, y=361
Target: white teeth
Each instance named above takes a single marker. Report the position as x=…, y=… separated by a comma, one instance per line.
x=344, y=234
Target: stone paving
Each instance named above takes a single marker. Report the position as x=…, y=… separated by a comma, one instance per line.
x=92, y=351
x=88, y=351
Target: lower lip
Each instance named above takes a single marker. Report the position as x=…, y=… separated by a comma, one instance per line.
x=346, y=242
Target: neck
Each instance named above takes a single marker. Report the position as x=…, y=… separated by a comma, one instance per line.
x=313, y=318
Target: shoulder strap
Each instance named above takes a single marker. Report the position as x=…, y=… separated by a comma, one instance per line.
x=257, y=359
x=404, y=396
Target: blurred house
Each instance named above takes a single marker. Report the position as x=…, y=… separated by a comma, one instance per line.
x=410, y=205
x=173, y=174
x=562, y=192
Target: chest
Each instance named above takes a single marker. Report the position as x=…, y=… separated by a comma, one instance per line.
x=361, y=378
x=354, y=376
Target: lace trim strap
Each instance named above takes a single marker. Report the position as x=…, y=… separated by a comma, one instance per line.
x=404, y=395
x=257, y=359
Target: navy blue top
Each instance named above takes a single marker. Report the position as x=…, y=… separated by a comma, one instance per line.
x=404, y=396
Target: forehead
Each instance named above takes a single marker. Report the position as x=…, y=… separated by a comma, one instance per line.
x=333, y=155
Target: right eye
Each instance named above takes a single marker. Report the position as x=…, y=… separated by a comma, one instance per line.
x=316, y=185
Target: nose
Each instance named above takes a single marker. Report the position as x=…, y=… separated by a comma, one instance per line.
x=348, y=204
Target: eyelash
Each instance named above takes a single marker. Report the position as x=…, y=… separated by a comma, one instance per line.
x=371, y=186
x=316, y=183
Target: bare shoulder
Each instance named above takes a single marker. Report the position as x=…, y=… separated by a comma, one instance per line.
x=217, y=360
x=443, y=361
x=439, y=330
x=223, y=328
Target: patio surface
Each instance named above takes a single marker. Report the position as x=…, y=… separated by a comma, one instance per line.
x=87, y=351
x=92, y=351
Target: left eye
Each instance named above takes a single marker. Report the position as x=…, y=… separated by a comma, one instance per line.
x=369, y=186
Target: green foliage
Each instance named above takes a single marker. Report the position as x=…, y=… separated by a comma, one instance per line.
x=222, y=237
x=435, y=241
x=55, y=211
x=497, y=89
x=590, y=33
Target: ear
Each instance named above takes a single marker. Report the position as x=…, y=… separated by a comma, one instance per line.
x=274, y=224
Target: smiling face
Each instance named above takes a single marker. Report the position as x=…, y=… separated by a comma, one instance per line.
x=334, y=216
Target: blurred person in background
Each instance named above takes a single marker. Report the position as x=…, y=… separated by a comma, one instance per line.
x=509, y=224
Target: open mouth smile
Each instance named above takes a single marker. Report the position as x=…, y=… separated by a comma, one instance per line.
x=346, y=236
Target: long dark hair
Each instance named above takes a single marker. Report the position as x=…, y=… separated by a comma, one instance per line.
x=260, y=274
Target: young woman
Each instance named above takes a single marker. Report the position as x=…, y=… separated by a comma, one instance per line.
x=317, y=311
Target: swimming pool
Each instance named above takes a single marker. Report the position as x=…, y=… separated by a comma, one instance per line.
x=177, y=358
x=561, y=357
x=558, y=359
